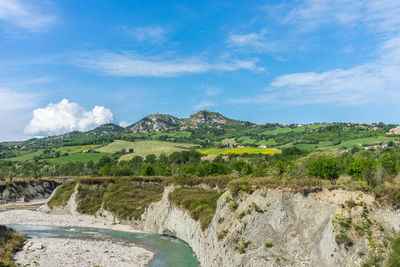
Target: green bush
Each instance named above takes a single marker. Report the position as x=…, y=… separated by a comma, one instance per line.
x=324, y=168
x=148, y=170
x=268, y=244
x=233, y=206
x=394, y=255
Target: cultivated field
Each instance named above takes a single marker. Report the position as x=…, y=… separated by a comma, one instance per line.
x=248, y=150
x=144, y=148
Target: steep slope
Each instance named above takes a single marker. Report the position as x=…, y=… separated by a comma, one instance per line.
x=155, y=122
x=270, y=227
x=27, y=190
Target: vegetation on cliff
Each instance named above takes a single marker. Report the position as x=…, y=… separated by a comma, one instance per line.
x=201, y=203
x=10, y=242
x=126, y=198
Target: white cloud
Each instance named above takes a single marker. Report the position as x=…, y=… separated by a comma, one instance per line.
x=372, y=82
x=124, y=124
x=11, y=100
x=150, y=33
x=376, y=15
x=66, y=117
x=130, y=65
x=256, y=41
x=24, y=15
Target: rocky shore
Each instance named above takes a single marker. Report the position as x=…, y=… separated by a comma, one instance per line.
x=78, y=252
x=29, y=217
x=43, y=251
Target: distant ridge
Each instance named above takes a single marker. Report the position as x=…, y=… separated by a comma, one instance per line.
x=163, y=122
x=155, y=122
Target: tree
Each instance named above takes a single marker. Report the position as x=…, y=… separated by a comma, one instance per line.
x=105, y=161
x=148, y=170
x=324, y=168
x=242, y=167
x=360, y=168
x=151, y=159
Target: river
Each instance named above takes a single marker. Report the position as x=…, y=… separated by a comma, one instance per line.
x=168, y=251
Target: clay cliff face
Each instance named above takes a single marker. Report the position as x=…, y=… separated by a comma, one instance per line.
x=27, y=190
x=277, y=227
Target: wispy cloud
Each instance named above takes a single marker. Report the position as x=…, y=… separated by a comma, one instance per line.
x=25, y=15
x=131, y=65
x=256, y=41
x=11, y=100
x=372, y=82
x=376, y=15
x=151, y=34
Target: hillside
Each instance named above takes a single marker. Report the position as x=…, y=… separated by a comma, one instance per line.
x=207, y=118
x=155, y=122
x=212, y=130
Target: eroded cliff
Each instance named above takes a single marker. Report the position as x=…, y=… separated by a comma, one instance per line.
x=276, y=227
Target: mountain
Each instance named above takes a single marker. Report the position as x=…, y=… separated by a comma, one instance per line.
x=155, y=122
x=205, y=117
x=163, y=122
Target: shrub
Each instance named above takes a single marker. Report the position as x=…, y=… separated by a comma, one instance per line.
x=268, y=244
x=325, y=168
x=221, y=235
x=148, y=170
x=343, y=238
x=233, y=206
x=360, y=168
x=257, y=208
x=394, y=255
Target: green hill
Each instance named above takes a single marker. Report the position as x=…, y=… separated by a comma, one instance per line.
x=144, y=148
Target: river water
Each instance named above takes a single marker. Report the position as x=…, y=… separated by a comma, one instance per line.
x=168, y=251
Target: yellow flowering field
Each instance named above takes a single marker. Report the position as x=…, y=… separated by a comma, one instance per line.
x=242, y=150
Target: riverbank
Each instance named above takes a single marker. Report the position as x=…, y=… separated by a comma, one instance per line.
x=29, y=217
x=24, y=205
x=73, y=251
x=79, y=252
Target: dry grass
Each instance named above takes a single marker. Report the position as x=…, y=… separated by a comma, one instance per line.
x=62, y=194
x=10, y=242
x=126, y=198
x=201, y=203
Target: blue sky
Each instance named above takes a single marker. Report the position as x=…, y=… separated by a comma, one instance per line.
x=72, y=65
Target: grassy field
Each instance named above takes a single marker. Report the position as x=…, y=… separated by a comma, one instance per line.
x=76, y=149
x=249, y=150
x=26, y=157
x=82, y=157
x=296, y=130
x=144, y=148
x=66, y=149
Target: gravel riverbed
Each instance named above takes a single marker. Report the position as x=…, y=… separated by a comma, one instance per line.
x=51, y=251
